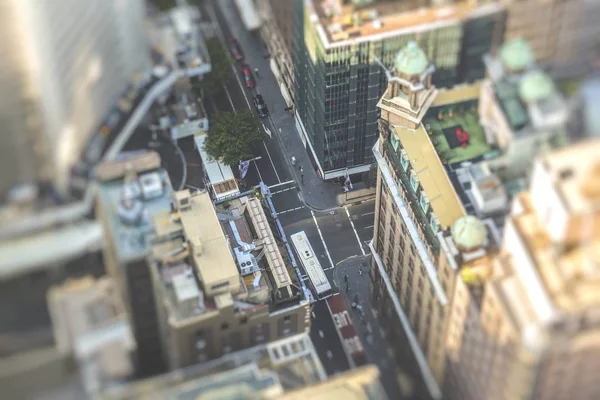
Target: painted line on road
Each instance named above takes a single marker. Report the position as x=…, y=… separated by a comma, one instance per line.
x=366, y=214
x=355, y=233
x=290, y=210
x=368, y=227
x=327, y=269
x=283, y=190
x=193, y=187
x=194, y=165
x=281, y=184
x=322, y=240
x=272, y=165
x=258, y=170
x=230, y=99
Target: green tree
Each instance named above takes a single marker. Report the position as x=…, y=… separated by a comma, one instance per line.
x=370, y=177
x=221, y=74
x=230, y=136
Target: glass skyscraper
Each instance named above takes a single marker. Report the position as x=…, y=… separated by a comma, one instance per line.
x=338, y=78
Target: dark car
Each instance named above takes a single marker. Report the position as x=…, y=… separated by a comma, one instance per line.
x=235, y=49
x=248, y=77
x=261, y=107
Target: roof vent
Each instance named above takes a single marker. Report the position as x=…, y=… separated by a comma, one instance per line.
x=151, y=185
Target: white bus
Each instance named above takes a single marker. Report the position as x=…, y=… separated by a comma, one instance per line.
x=249, y=14
x=311, y=264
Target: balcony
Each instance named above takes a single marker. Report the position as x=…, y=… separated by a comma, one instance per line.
x=432, y=242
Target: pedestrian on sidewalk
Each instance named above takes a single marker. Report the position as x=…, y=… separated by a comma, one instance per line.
x=293, y=160
x=256, y=72
x=302, y=178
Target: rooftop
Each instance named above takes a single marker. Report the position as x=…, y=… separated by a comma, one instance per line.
x=358, y=384
x=220, y=175
x=432, y=175
x=443, y=122
x=130, y=204
x=340, y=23
x=261, y=372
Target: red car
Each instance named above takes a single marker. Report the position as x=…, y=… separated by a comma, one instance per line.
x=235, y=49
x=248, y=77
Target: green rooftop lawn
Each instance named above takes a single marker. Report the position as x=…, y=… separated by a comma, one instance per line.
x=464, y=115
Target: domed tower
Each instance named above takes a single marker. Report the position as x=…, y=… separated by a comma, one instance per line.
x=410, y=92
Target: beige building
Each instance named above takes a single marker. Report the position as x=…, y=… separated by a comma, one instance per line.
x=212, y=302
x=528, y=327
x=564, y=34
x=278, y=33
x=197, y=285
x=445, y=184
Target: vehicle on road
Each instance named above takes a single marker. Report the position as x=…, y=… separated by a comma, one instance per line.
x=248, y=77
x=249, y=15
x=235, y=49
x=311, y=264
x=260, y=105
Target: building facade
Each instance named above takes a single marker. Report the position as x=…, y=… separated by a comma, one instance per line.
x=529, y=327
x=65, y=64
x=278, y=34
x=446, y=178
x=338, y=79
x=211, y=303
x=564, y=34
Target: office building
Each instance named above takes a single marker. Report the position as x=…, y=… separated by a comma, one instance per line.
x=64, y=64
x=189, y=295
x=338, y=80
x=525, y=319
x=211, y=299
x=564, y=34
x=278, y=34
x=444, y=174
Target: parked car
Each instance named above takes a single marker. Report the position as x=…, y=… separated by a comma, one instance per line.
x=235, y=49
x=248, y=76
x=261, y=107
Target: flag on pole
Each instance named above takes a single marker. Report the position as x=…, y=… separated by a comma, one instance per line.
x=244, y=165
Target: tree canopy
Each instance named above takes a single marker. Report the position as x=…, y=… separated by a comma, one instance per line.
x=221, y=73
x=230, y=136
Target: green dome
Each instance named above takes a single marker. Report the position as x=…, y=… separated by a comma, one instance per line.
x=469, y=232
x=535, y=86
x=516, y=54
x=411, y=60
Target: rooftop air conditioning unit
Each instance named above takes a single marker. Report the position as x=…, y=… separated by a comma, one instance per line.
x=152, y=186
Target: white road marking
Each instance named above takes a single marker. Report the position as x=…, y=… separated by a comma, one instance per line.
x=313, y=314
x=329, y=354
x=321, y=333
x=258, y=170
x=193, y=187
x=272, y=165
x=365, y=214
x=283, y=190
x=281, y=184
x=230, y=99
x=290, y=210
x=322, y=240
x=194, y=165
x=355, y=233
x=368, y=227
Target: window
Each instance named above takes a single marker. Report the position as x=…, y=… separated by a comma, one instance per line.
x=434, y=224
x=424, y=202
x=287, y=319
x=404, y=159
x=394, y=139
x=414, y=180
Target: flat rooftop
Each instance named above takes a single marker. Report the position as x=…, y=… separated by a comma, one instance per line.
x=271, y=368
x=187, y=106
x=389, y=18
x=130, y=240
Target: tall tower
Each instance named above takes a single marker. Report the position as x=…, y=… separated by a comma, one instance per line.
x=64, y=63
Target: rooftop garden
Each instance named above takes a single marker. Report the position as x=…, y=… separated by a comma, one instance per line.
x=456, y=133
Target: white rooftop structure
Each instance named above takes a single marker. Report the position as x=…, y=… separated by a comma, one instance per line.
x=220, y=176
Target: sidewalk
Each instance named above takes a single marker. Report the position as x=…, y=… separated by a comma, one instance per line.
x=365, y=322
x=316, y=193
